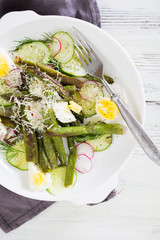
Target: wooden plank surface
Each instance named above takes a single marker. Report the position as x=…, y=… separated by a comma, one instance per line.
x=135, y=212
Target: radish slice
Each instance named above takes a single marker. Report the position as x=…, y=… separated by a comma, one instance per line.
x=90, y=91
x=13, y=78
x=55, y=46
x=82, y=93
x=90, y=82
x=85, y=148
x=50, y=66
x=83, y=163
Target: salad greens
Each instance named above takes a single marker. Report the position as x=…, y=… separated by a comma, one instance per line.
x=49, y=103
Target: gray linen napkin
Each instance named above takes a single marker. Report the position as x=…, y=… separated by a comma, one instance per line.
x=15, y=209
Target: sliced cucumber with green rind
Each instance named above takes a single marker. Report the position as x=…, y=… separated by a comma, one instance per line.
x=73, y=68
x=58, y=179
x=91, y=91
x=88, y=107
x=67, y=47
x=16, y=155
x=4, y=88
x=36, y=52
x=101, y=143
x=88, y=104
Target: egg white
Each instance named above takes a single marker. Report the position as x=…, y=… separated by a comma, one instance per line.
x=46, y=183
x=6, y=56
x=63, y=113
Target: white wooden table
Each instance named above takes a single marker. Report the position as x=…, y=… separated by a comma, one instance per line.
x=135, y=212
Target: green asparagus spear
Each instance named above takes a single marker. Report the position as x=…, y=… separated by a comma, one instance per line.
x=19, y=95
x=41, y=75
x=70, y=88
x=7, y=122
x=83, y=130
x=107, y=78
x=51, y=72
x=6, y=112
x=42, y=158
x=71, y=162
x=83, y=138
x=48, y=144
x=58, y=143
x=50, y=151
x=31, y=148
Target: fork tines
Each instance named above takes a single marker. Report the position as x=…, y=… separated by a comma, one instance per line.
x=83, y=49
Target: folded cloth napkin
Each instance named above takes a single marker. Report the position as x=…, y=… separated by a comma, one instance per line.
x=15, y=209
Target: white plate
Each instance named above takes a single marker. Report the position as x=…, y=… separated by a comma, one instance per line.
x=96, y=185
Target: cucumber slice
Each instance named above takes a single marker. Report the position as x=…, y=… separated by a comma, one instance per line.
x=91, y=91
x=73, y=68
x=4, y=88
x=88, y=107
x=58, y=179
x=101, y=143
x=16, y=155
x=67, y=47
x=36, y=52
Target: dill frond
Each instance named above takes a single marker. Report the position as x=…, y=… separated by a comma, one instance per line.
x=47, y=39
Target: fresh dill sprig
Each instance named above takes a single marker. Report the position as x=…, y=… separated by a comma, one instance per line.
x=4, y=147
x=22, y=42
x=54, y=63
x=47, y=39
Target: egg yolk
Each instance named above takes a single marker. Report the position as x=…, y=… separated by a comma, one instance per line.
x=38, y=179
x=107, y=109
x=4, y=65
x=74, y=107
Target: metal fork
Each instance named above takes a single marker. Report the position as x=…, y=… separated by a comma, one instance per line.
x=93, y=65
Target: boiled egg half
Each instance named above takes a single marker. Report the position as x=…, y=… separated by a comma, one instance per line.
x=63, y=113
x=6, y=63
x=106, y=109
x=38, y=181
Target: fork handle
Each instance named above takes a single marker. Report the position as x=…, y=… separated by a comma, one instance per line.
x=139, y=133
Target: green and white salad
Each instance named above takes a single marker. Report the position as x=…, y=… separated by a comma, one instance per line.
x=53, y=114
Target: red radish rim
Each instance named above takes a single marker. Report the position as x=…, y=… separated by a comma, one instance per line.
x=81, y=96
x=50, y=66
x=93, y=81
x=85, y=85
x=60, y=46
x=90, y=162
x=8, y=84
x=19, y=69
x=6, y=81
x=85, y=153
